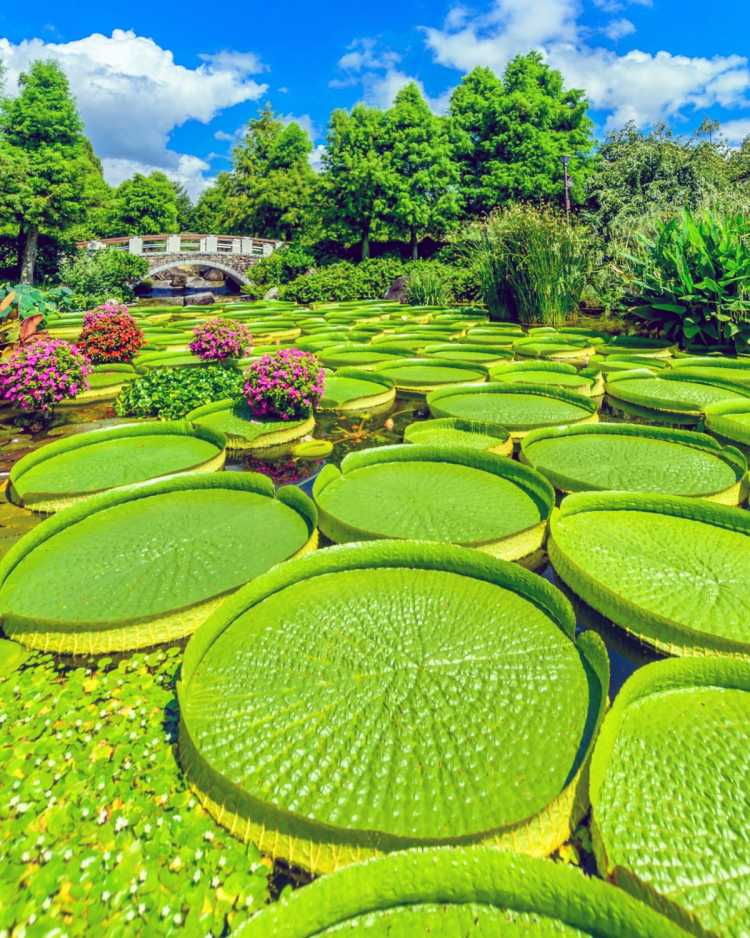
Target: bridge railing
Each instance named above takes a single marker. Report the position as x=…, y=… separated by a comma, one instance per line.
x=189, y=243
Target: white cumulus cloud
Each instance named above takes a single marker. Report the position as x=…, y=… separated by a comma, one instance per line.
x=131, y=95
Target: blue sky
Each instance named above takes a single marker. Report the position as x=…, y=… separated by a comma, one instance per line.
x=171, y=86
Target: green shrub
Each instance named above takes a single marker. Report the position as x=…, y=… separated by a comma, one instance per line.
x=253, y=291
x=368, y=280
x=284, y=265
x=170, y=393
x=532, y=264
x=689, y=277
x=98, y=276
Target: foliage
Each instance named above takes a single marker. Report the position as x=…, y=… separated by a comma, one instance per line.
x=43, y=160
x=286, y=263
x=143, y=205
x=170, y=393
x=98, y=822
x=37, y=376
x=253, y=290
x=368, y=280
x=284, y=385
x=98, y=276
x=425, y=196
x=35, y=301
x=689, y=276
x=532, y=264
x=509, y=135
x=110, y=334
x=427, y=285
x=219, y=339
x=357, y=181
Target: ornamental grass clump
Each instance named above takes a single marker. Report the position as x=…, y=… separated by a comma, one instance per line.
x=284, y=385
x=220, y=339
x=37, y=376
x=110, y=334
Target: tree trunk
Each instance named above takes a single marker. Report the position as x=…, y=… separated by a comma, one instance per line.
x=414, y=246
x=28, y=261
x=366, y=243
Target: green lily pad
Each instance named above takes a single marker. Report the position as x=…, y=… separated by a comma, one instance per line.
x=636, y=458
x=12, y=656
x=449, y=431
x=730, y=420
x=517, y=407
x=670, y=789
x=477, y=892
x=73, y=467
x=147, y=563
x=403, y=722
x=450, y=494
x=671, y=571
x=425, y=374
x=243, y=431
x=351, y=389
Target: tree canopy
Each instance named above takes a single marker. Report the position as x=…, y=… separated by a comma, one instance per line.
x=143, y=205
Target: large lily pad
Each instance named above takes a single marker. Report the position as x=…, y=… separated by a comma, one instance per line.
x=411, y=689
x=670, y=789
x=671, y=571
x=547, y=373
x=351, y=390
x=637, y=458
x=422, y=375
x=245, y=432
x=73, y=467
x=450, y=494
x=517, y=407
x=471, y=891
x=672, y=393
x=147, y=563
x=730, y=420
x=450, y=431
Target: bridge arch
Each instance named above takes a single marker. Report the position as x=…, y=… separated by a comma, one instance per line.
x=195, y=261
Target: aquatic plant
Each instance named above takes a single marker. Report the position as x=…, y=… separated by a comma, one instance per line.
x=38, y=376
x=220, y=339
x=171, y=393
x=110, y=334
x=285, y=385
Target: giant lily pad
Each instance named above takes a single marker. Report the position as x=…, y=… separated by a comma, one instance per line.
x=147, y=563
x=448, y=431
x=74, y=467
x=517, y=407
x=356, y=355
x=459, y=891
x=670, y=789
x=450, y=494
x=105, y=383
x=412, y=684
x=547, y=373
x=245, y=432
x=671, y=571
x=350, y=390
x=678, y=395
x=422, y=375
x=730, y=420
x=470, y=354
x=636, y=458
x=12, y=656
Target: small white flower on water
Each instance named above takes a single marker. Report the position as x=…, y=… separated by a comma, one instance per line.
x=101, y=818
x=120, y=824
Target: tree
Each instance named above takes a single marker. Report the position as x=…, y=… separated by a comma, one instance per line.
x=208, y=214
x=425, y=195
x=357, y=184
x=269, y=191
x=184, y=206
x=97, y=276
x=509, y=135
x=44, y=146
x=639, y=173
x=144, y=205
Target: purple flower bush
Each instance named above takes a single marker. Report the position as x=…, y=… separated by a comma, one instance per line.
x=219, y=339
x=39, y=375
x=284, y=385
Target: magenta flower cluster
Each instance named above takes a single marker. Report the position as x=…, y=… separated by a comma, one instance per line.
x=108, y=309
x=39, y=375
x=284, y=385
x=219, y=339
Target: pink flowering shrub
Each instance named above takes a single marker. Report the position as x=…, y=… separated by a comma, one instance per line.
x=39, y=375
x=284, y=385
x=219, y=339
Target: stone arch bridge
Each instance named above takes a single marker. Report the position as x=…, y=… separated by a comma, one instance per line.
x=231, y=254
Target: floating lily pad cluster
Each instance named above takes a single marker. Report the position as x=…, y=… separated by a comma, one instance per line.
x=388, y=710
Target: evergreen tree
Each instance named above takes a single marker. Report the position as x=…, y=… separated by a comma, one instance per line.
x=357, y=184
x=44, y=147
x=510, y=135
x=144, y=205
x=425, y=176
